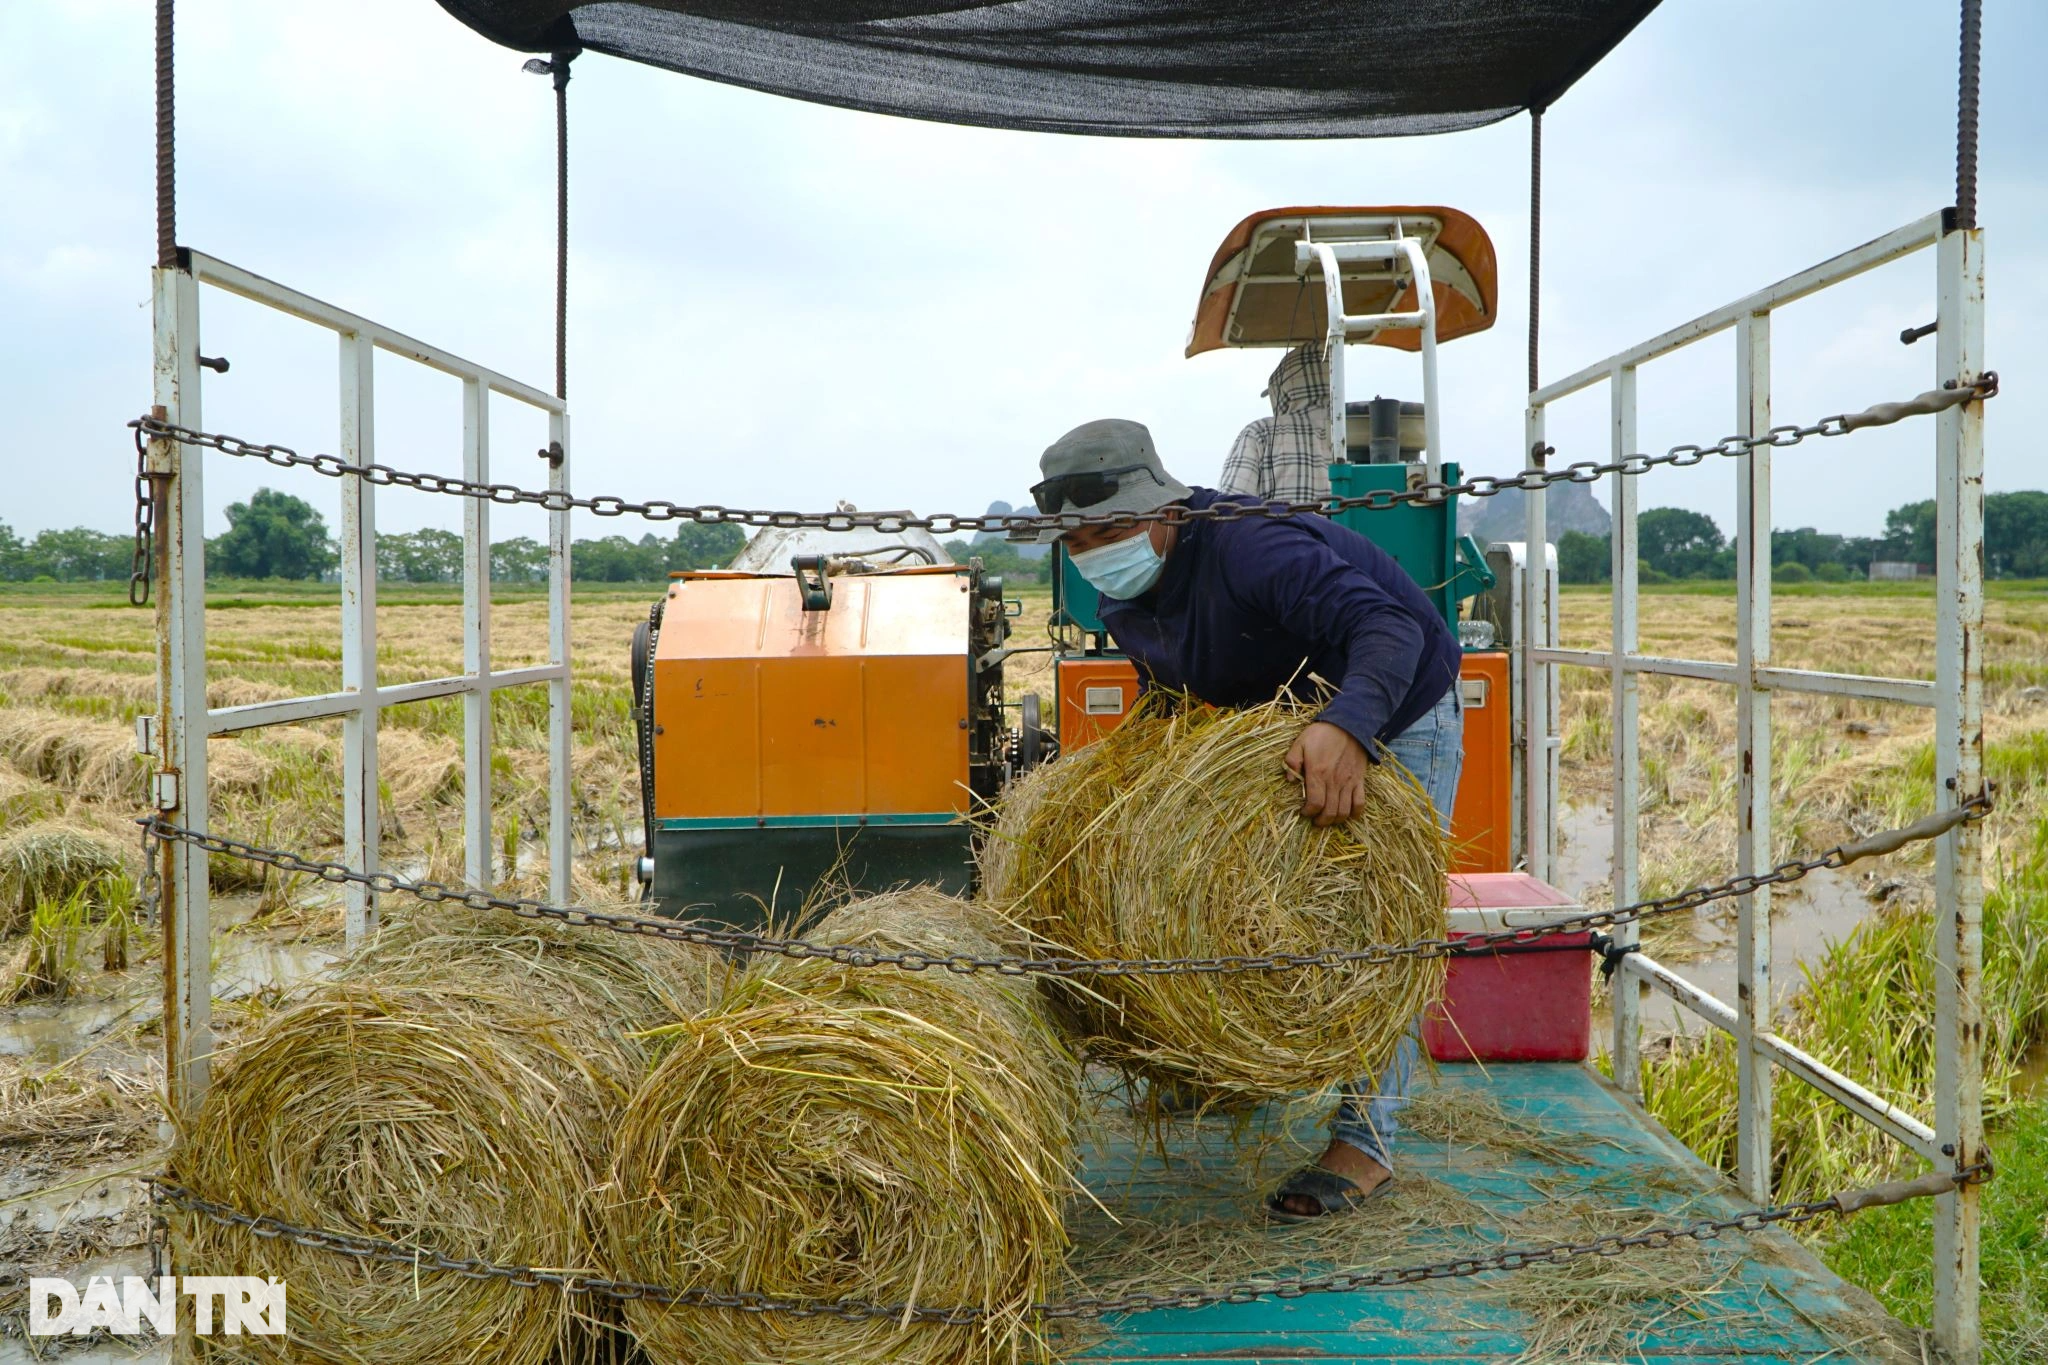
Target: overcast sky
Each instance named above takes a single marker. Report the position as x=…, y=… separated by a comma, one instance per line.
x=781, y=304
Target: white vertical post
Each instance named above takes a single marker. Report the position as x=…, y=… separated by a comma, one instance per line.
x=1432, y=438
x=1340, y=423
x=476, y=636
x=1626, y=995
x=1337, y=332
x=1959, y=774
x=1425, y=303
x=1536, y=756
x=1753, y=852
x=360, y=818
x=559, y=850
x=181, y=681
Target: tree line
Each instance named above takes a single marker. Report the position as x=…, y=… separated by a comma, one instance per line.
x=1673, y=543
x=275, y=535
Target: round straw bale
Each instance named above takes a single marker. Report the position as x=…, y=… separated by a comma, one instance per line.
x=51, y=860
x=1181, y=836
x=454, y=1087
x=843, y=1132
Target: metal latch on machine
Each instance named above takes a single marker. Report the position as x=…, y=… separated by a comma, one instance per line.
x=813, y=581
x=1102, y=701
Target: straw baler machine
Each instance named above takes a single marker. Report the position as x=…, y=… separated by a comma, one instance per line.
x=825, y=713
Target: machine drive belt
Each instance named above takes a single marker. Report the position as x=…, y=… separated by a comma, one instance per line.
x=643, y=725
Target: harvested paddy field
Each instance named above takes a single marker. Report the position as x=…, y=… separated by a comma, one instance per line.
x=79, y=972
x=80, y=983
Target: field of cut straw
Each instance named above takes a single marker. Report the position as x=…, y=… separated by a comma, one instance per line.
x=80, y=981
x=1863, y=1002
x=76, y=670
x=77, y=1073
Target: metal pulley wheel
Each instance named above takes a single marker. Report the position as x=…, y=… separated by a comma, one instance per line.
x=1031, y=738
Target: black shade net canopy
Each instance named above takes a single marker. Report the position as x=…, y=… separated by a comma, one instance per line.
x=1130, y=68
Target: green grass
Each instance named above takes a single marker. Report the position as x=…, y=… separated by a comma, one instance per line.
x=63, y=933
x=1887, y=1250
x=1894, y=792
x=1866, y=1008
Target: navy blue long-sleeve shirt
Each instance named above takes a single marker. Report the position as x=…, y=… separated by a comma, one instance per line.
x=1245, y=609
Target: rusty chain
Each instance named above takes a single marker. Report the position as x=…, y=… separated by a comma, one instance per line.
x=946, y=523
x=149, y=897
x=143, y=558
x=861, y=955
x=1182, y=1296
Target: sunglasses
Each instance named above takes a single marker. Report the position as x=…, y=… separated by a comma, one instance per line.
x=1084, y=489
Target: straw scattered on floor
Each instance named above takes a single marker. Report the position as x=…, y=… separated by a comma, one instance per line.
x=81, y=1108
x=839, y=1132
x=1198, y=1222
x=1180, y=836
x=455, y=1087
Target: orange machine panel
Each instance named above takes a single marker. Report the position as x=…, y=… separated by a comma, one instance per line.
x=1481, y=828
x=1096, y=693
x=764, y=709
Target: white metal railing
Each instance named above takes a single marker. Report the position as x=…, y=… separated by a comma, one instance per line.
x=185, y=722
x=1955, y=694
x=1395, y=245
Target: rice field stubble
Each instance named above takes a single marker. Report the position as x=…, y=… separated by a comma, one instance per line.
x=80, y=1027
x=1864, y=1004
x=76, y=668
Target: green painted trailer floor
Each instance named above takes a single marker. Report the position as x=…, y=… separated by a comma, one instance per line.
x=1512, y=1154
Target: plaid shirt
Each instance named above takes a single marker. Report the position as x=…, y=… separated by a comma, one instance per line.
x=1286, y=457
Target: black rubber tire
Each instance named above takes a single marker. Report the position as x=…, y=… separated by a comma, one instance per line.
x=1030, y=735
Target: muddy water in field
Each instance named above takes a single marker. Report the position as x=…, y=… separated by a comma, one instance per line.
x=1821, y=909
x=50, y=1033
x=69, y=1204
x=2032, y=1082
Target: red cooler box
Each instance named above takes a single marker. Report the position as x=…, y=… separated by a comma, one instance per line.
x=1513, y=1007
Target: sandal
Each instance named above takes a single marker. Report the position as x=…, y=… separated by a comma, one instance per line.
x=1332, y=1192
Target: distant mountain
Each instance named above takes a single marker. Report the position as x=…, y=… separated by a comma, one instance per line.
x=1568, y=507
x=1003, y=509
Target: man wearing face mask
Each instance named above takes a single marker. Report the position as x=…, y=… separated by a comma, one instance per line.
x=1237, y=611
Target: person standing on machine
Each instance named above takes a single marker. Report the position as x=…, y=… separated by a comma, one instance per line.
x=1286, y=457
x=1236, y=612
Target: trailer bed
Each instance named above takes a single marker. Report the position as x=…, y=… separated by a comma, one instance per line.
x=1751, y=1298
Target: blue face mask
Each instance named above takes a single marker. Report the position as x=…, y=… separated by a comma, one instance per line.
x=1124, y=568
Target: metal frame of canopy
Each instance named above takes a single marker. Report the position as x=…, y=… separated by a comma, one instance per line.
x=1406, y=277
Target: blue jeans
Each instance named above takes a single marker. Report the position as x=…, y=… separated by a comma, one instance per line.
x=1433, y=749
